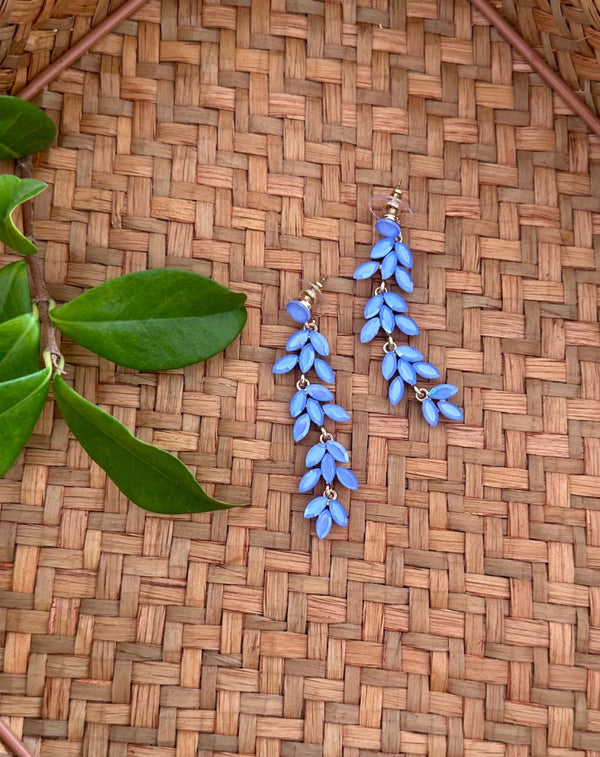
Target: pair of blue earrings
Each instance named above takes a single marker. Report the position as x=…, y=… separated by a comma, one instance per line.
x=402, y=366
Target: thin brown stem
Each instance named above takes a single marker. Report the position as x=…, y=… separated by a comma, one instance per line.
x=37, y=283
x=12, y=742
x=31, y=89
x=538, y=64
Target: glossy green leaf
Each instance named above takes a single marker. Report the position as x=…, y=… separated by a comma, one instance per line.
x=154, y=320
x=152, y=478
x=14, y=192
x=21, y=402
x=15, y=298
x=19, y=346
x=24, y=128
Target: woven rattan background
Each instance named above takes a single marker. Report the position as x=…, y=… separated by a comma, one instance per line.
x=566, y=33
x=460, y=612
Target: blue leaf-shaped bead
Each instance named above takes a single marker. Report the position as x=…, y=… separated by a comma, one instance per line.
x=386, y=318
x=406, y=352
x=315, y=411
x=338, y=512
x=323, y=524
x=451, y=411
x=366, y=270
x=320, y=393
x=406, y=324
x=387, y=227
x=319, y=342
x=297, y=340
x=328, y=468
x=324, y=371
x=336, y=413
x=430, y=411
x=389, y=364
x=395, y=302
x=315, y=507
x=388, y=265
x=301, y=427
x=370, y=330
x=404, y=254
x=407, y=372
x=337, y=451
x=315, y=454
x=307, y=358
x=285, y=364
x=426, y=370
x=373, y=306
x=298, y=311
x=297, y=403
x=346, y=478
x=443, y=391
x=381, y=248
x=404, y=279
x=396, y=390
x=309, y=480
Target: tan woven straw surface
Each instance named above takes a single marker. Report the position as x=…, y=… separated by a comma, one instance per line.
x=34, y=32
x=566, y=33
x=459, y=614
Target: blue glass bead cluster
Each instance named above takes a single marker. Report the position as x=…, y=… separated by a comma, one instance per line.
x=387, y=311
x=312, y=403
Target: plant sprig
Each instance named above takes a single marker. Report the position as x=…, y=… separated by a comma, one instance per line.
x=151, y=320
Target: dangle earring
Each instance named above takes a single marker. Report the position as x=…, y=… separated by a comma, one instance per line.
x=387, y=310
x=311, y=404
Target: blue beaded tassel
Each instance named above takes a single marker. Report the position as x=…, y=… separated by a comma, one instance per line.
x=312, y=403
x=387, y=310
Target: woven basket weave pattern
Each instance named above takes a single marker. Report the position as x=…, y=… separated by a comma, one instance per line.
x=36, y=32
x=566, y=33
x=459, y=614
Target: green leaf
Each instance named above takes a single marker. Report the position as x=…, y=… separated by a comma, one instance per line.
x=24, y=128
x=152, y=478
x=13, y=192
x=19, y=346
x=154, y=320
x=21, y=402
x=15, y=298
